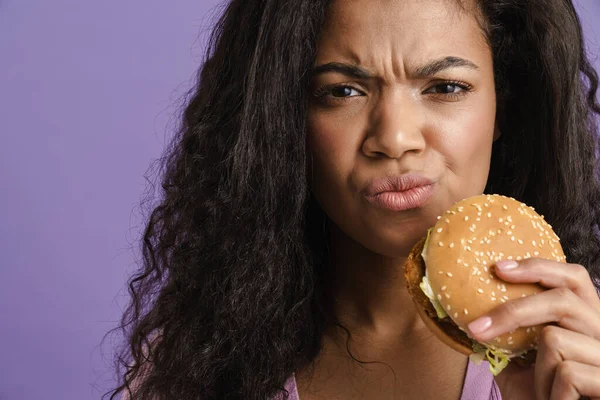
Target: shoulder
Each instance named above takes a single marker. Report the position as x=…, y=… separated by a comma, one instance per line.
x=291, y=387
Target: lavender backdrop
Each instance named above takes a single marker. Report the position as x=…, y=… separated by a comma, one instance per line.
x=89, y=92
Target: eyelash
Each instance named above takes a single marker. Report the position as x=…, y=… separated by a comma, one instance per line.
x=323, y=91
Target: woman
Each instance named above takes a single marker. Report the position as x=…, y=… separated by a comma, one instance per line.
x=272, y=268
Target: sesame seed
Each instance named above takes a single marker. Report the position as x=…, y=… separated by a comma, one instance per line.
x=466, y=311
x=493, y=299
x=447, y=295
x=489, y=215
x=480, y=290
x=502, y=300
x=533, y=243
x=512, y=238
x=505, y=207
x=439, y=297
x=472, y=229
x=519, y=258
x=536, y=253
x=466, y=217
x=447, y=220
x=477, y=219
x=509, y=257
x=439, y=217
x=451, y=245
x=440, y=272
x=509, y=233
x=487, y=282
x=455, y=315
x=443, y=288
x=449, y=274
x=481, y=279
x=439, y=230
x=520, y=241
x=441, y=244
x=459, y=261
x=448, y=307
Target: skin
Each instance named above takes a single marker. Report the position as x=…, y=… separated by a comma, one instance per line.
x=393, y=120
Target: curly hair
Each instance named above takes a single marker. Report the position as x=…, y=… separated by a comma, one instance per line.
x=235, y=251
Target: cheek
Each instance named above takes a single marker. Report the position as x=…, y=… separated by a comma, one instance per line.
x=332, y=147
x=466, y=146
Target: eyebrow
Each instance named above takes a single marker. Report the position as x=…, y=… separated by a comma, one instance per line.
x=429, y=69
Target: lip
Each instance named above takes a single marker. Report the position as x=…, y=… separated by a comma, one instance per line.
x=398, y=193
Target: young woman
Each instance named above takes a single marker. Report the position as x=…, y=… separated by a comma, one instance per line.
x=268, y=271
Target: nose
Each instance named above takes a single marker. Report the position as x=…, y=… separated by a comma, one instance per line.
x=396, y=128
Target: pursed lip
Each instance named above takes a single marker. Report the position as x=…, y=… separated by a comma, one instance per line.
x=399, y=183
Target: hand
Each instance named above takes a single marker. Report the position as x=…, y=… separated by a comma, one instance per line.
x=568, y=359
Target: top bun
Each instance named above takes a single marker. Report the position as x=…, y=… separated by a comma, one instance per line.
x=463, y=248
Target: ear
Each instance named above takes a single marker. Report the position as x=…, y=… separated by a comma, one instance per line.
x=497, y=132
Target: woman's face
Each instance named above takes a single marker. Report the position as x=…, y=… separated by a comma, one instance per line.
x=400, y=88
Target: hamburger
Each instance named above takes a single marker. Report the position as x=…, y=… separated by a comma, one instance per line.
x=450, y=273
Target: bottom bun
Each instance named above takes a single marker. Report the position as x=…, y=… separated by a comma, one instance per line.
x=441, y=334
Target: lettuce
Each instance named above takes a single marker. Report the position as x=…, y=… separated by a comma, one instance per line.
x=426, y=288
x=497, y=359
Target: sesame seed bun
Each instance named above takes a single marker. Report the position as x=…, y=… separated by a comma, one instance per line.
x=459, y=260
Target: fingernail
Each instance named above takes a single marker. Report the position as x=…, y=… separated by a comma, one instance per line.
x=480, y=325
x=506, y=265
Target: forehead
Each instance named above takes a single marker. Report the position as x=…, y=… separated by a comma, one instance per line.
x=364, y=30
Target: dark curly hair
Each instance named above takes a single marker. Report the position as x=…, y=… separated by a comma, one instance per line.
x=235, y=250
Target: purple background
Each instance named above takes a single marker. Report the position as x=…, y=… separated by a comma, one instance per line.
x=89, y=92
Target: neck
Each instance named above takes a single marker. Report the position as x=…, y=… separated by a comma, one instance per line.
x=369, y=290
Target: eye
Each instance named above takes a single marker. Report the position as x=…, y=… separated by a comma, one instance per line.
x=447, y=88
x=451, y=89
x=336, y=92
x=344, y=91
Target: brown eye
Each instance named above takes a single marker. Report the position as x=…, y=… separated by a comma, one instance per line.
x=448, y=88
x=344, y=91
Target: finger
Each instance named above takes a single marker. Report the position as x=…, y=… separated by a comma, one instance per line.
x=573, y=380
x=557, y=345
x=551, y=274
x=556, y=305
